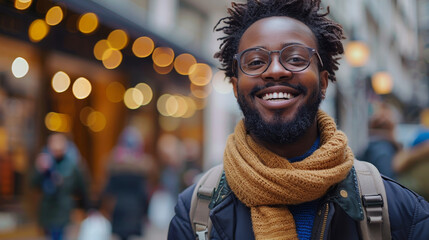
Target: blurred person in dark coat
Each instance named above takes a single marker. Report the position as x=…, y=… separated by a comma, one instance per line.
x=382, y=146
x=126, y=190
x=60, y=178
x=412, y=165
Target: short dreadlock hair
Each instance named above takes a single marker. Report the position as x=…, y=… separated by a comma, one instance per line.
x=241, y=15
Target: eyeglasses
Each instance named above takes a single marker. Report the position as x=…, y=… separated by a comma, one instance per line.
x=294, y=58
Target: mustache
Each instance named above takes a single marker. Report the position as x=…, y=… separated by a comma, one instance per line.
x=299, y=87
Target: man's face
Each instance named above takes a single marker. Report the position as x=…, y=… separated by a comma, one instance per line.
x=279, y=120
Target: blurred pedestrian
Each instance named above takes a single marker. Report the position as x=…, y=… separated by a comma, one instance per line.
x=126, y=190
x=61, y=180
x=412, y=165
x=382, y=146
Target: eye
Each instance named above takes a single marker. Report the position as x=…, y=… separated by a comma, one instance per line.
x=296, y=60
x=255, y=63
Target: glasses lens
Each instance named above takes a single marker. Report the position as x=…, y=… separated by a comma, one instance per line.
x=254, y=61
x=295, y=58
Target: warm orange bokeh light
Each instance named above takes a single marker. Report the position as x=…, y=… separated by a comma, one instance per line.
x=118, y=39
x=200, y=74
x=143, y=47
x=38, y=30
x=100, y=48
x=163, y=70
x=357, y=53
x=22, y=4
x=201, y=91
x=183, y=63
x=54, y=16
x=163, y=56
x=112, y=58
x=58, y=122
x=382, y=83
x=87, y=23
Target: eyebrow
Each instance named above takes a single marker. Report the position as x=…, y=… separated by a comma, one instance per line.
x=283, y=45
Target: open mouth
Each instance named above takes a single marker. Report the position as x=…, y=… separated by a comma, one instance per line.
x=277, y=96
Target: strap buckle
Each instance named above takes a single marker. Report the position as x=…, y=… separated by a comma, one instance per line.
x=201, y=231
x=373, y=205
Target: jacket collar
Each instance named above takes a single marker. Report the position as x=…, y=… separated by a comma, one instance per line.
x=346, y=195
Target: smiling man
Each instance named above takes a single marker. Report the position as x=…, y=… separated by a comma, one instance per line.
x=288, y=171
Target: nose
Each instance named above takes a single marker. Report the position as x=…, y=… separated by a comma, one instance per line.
x=276, y=71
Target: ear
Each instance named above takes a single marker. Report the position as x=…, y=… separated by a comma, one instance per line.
x=324, y=81
x=234, y=82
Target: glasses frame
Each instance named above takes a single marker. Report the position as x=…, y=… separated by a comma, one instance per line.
x=311, y=52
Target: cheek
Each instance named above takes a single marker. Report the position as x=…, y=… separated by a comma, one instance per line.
x=312, y=77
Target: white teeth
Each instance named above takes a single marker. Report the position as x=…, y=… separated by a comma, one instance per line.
x=276, y=95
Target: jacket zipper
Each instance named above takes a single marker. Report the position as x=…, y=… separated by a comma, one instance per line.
x=325, y=219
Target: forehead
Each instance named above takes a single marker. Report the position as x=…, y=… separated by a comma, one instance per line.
x=273, y=33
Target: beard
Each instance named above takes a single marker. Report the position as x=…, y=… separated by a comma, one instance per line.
x=278, y=131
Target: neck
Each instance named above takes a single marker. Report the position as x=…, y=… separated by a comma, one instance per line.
x=296, y=148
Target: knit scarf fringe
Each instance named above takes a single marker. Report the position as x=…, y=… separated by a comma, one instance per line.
x=267, y=183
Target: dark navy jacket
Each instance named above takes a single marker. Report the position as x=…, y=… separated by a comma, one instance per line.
x=337, y=217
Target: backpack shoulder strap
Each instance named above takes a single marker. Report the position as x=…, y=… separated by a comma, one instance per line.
x=199, y=212
x=376, y=224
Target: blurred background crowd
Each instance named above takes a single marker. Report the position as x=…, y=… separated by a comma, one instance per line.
x=108, y=109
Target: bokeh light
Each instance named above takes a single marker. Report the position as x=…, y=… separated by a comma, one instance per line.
x=96, y=121
x=382, y=83
x=115, y=92
x=171, y=105
x=81, y=88
x=182, y=106
x=38, y=30
x=143, y=47
x=220, y=84
x=100, y=48
x=20, y=67
x=118, y=39
x=112, y=58
x=183, y=63
x=200, y=74
x=357, y=53
x=201, y=91
x=54, y=16
x=60, y=82
x=87, y=23
x=133, y=98
x=163, y=56
x=57, y=122
x=192, y=107
x=162, y=70
x=161, y=104
x=146, y=91
x=22, y=4
x=176, y=106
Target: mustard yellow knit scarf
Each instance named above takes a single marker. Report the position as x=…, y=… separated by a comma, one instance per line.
x=267, y=183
